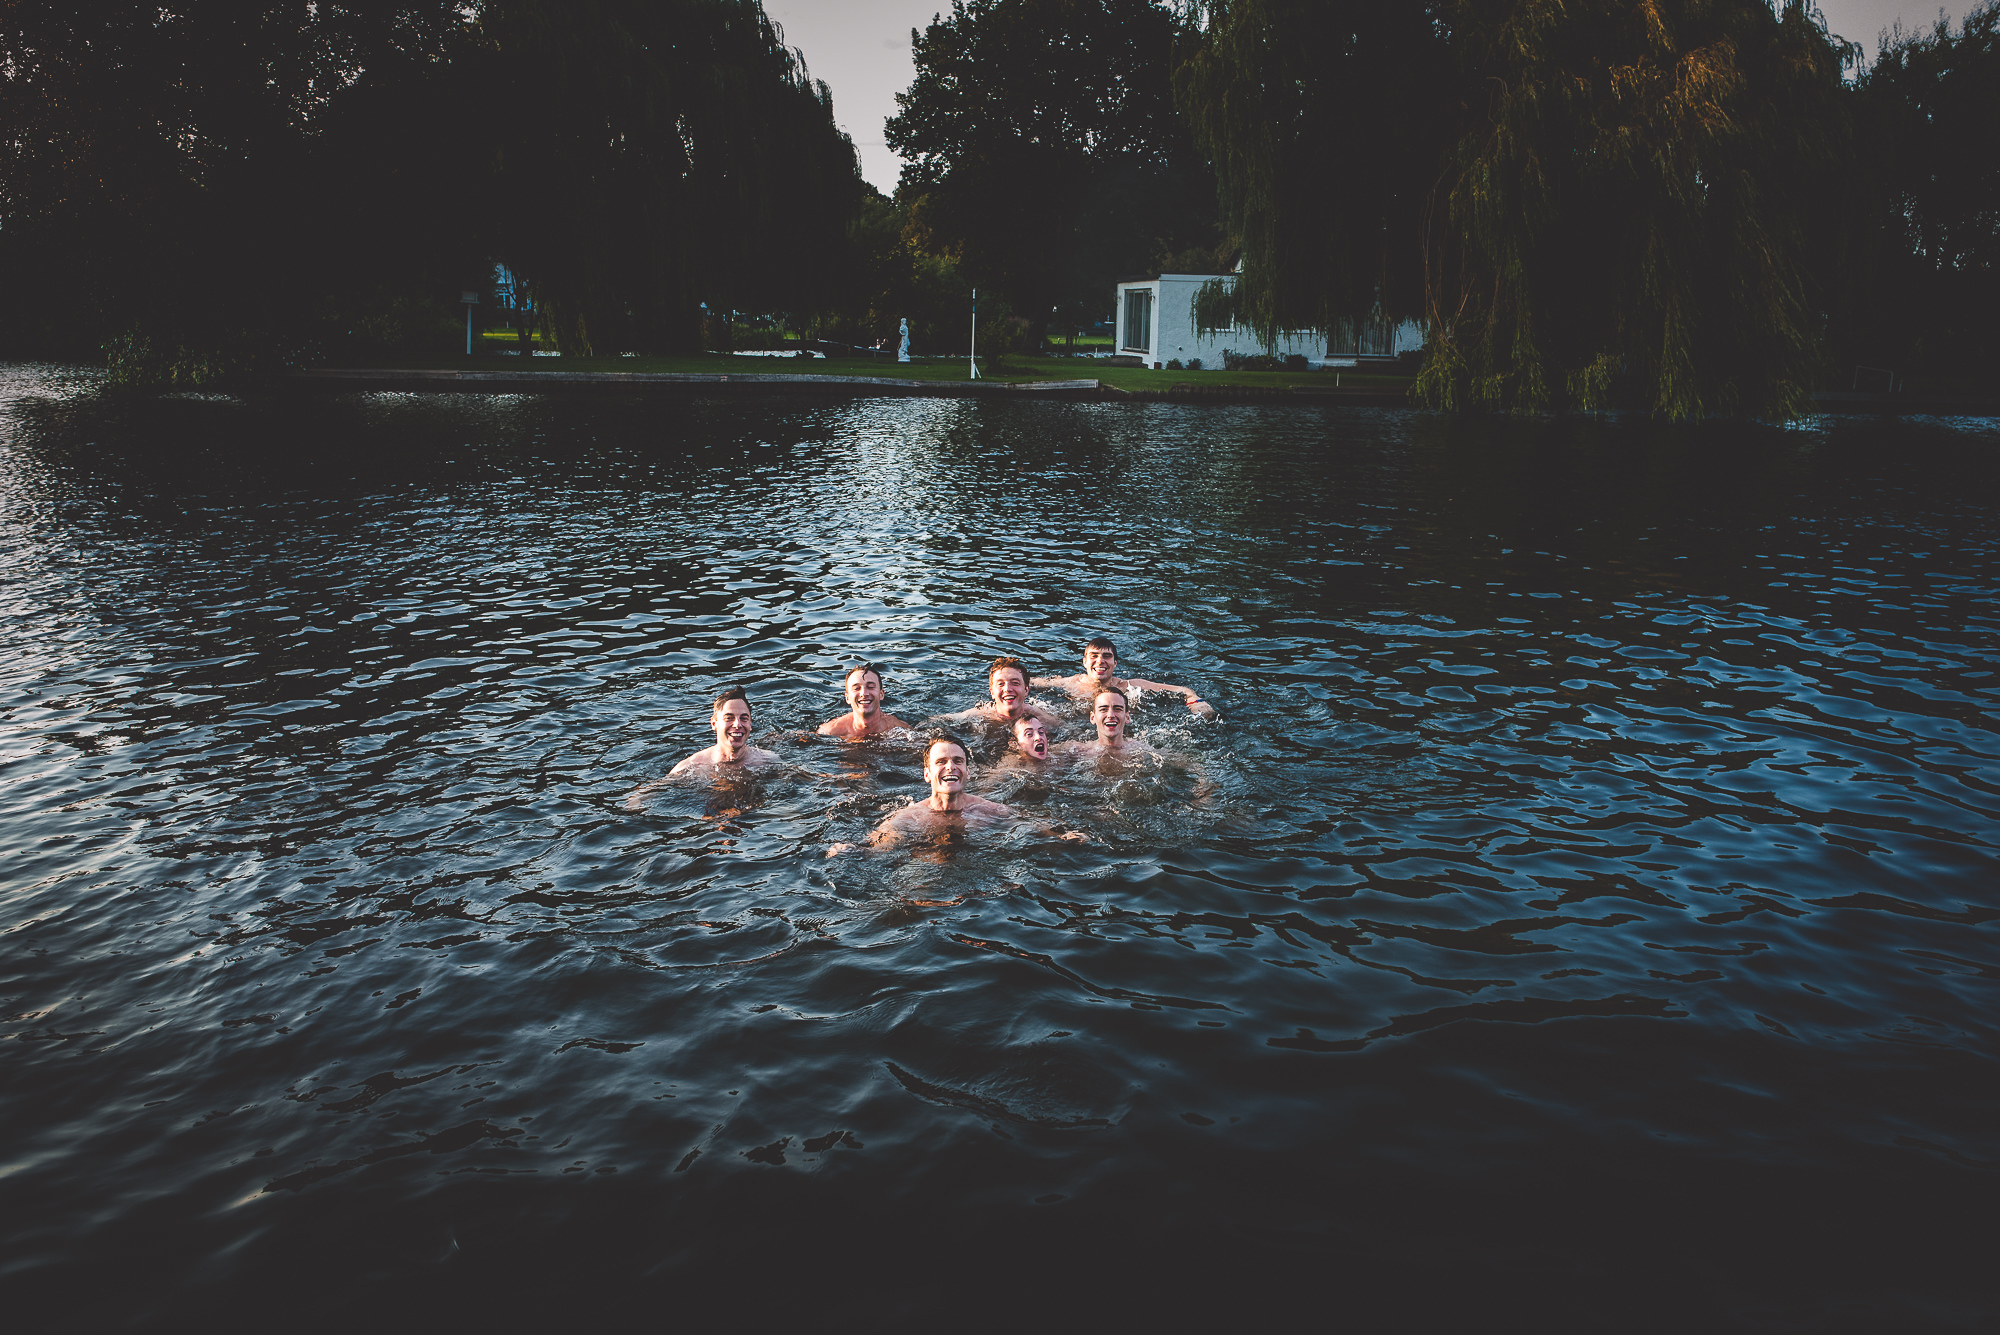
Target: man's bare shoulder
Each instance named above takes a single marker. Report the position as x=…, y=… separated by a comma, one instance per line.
x=909, y=816
x=984, y=809
x=702, y=759
x=843, y=726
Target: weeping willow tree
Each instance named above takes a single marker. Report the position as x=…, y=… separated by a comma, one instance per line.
x=1590, y=203
x=1626, y=217
x=194, y=182
x=1323, y=120
x=676, y=153
x=1929, y=257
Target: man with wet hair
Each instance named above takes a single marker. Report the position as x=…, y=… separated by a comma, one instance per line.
x=1007, y=683
x=1110, y=711
x=949, y=810
x=1031, y=742
x=732, y=752
x=1100, y=669
x=865, y=716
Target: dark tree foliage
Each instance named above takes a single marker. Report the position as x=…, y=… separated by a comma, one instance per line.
x=197, y=170
x=1609, y=202
x=677, y=153
x=215, y=184
x=886, y=279
x=1043, y=151
x=1627, y=213
x=1930, y=264
x=1324, y=120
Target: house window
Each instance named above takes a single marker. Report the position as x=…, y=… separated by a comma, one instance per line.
x=1138, y=320
x=1372, y=337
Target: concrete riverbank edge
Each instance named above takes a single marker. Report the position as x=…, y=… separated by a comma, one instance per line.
x=853, y=386
x=399, y=380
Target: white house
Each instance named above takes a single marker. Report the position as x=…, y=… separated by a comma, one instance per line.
x=1155, y=320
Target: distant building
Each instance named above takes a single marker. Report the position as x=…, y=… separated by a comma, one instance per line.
x=510, y=294
x=1155, y=320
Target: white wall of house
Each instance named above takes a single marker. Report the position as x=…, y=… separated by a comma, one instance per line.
x=1155, y=320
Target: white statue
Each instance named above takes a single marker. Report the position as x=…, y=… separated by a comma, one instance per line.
x=903, y=350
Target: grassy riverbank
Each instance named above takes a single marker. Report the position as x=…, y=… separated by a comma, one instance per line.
x=1009, y=370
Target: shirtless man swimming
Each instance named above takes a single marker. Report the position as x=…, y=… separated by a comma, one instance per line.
x=732, y=755
x=1109, y=713
x=732, y=752
x=1100, y=669
x=866, y=717
x=1007, y=683
x=1031, y=742
x=949, y=810
x=1028, y=752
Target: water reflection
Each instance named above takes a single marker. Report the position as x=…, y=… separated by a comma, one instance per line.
x=1576, y=778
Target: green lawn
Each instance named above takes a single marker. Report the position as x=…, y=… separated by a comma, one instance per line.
x=493, y=340
x=1009, y=370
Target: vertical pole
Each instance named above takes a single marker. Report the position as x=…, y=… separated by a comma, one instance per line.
x=468, y=331
x=972, y=358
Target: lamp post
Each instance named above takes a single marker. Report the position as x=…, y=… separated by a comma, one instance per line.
x=470, y=299
x=972, y=357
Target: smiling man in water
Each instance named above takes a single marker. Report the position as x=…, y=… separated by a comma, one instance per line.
x=1007, y=683
x=732, y=752
x=1100, y=669
x=949, y=812
x=865, y=716
x=1109, y=713
x=732, y=755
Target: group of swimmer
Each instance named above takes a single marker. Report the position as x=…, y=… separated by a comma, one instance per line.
x=950, y=809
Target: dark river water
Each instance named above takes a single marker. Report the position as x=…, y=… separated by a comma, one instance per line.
x=1583, y=915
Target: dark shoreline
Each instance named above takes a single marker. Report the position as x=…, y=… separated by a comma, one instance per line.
x=865, y=386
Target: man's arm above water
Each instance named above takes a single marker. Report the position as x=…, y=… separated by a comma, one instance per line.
x=1190, y=697
x=1067, y=836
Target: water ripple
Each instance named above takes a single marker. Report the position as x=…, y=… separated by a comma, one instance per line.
x=1542, y=744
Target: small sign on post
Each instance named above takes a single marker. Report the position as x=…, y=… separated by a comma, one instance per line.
x=470, y=299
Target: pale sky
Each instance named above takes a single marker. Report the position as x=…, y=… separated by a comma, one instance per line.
x=862, y=49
